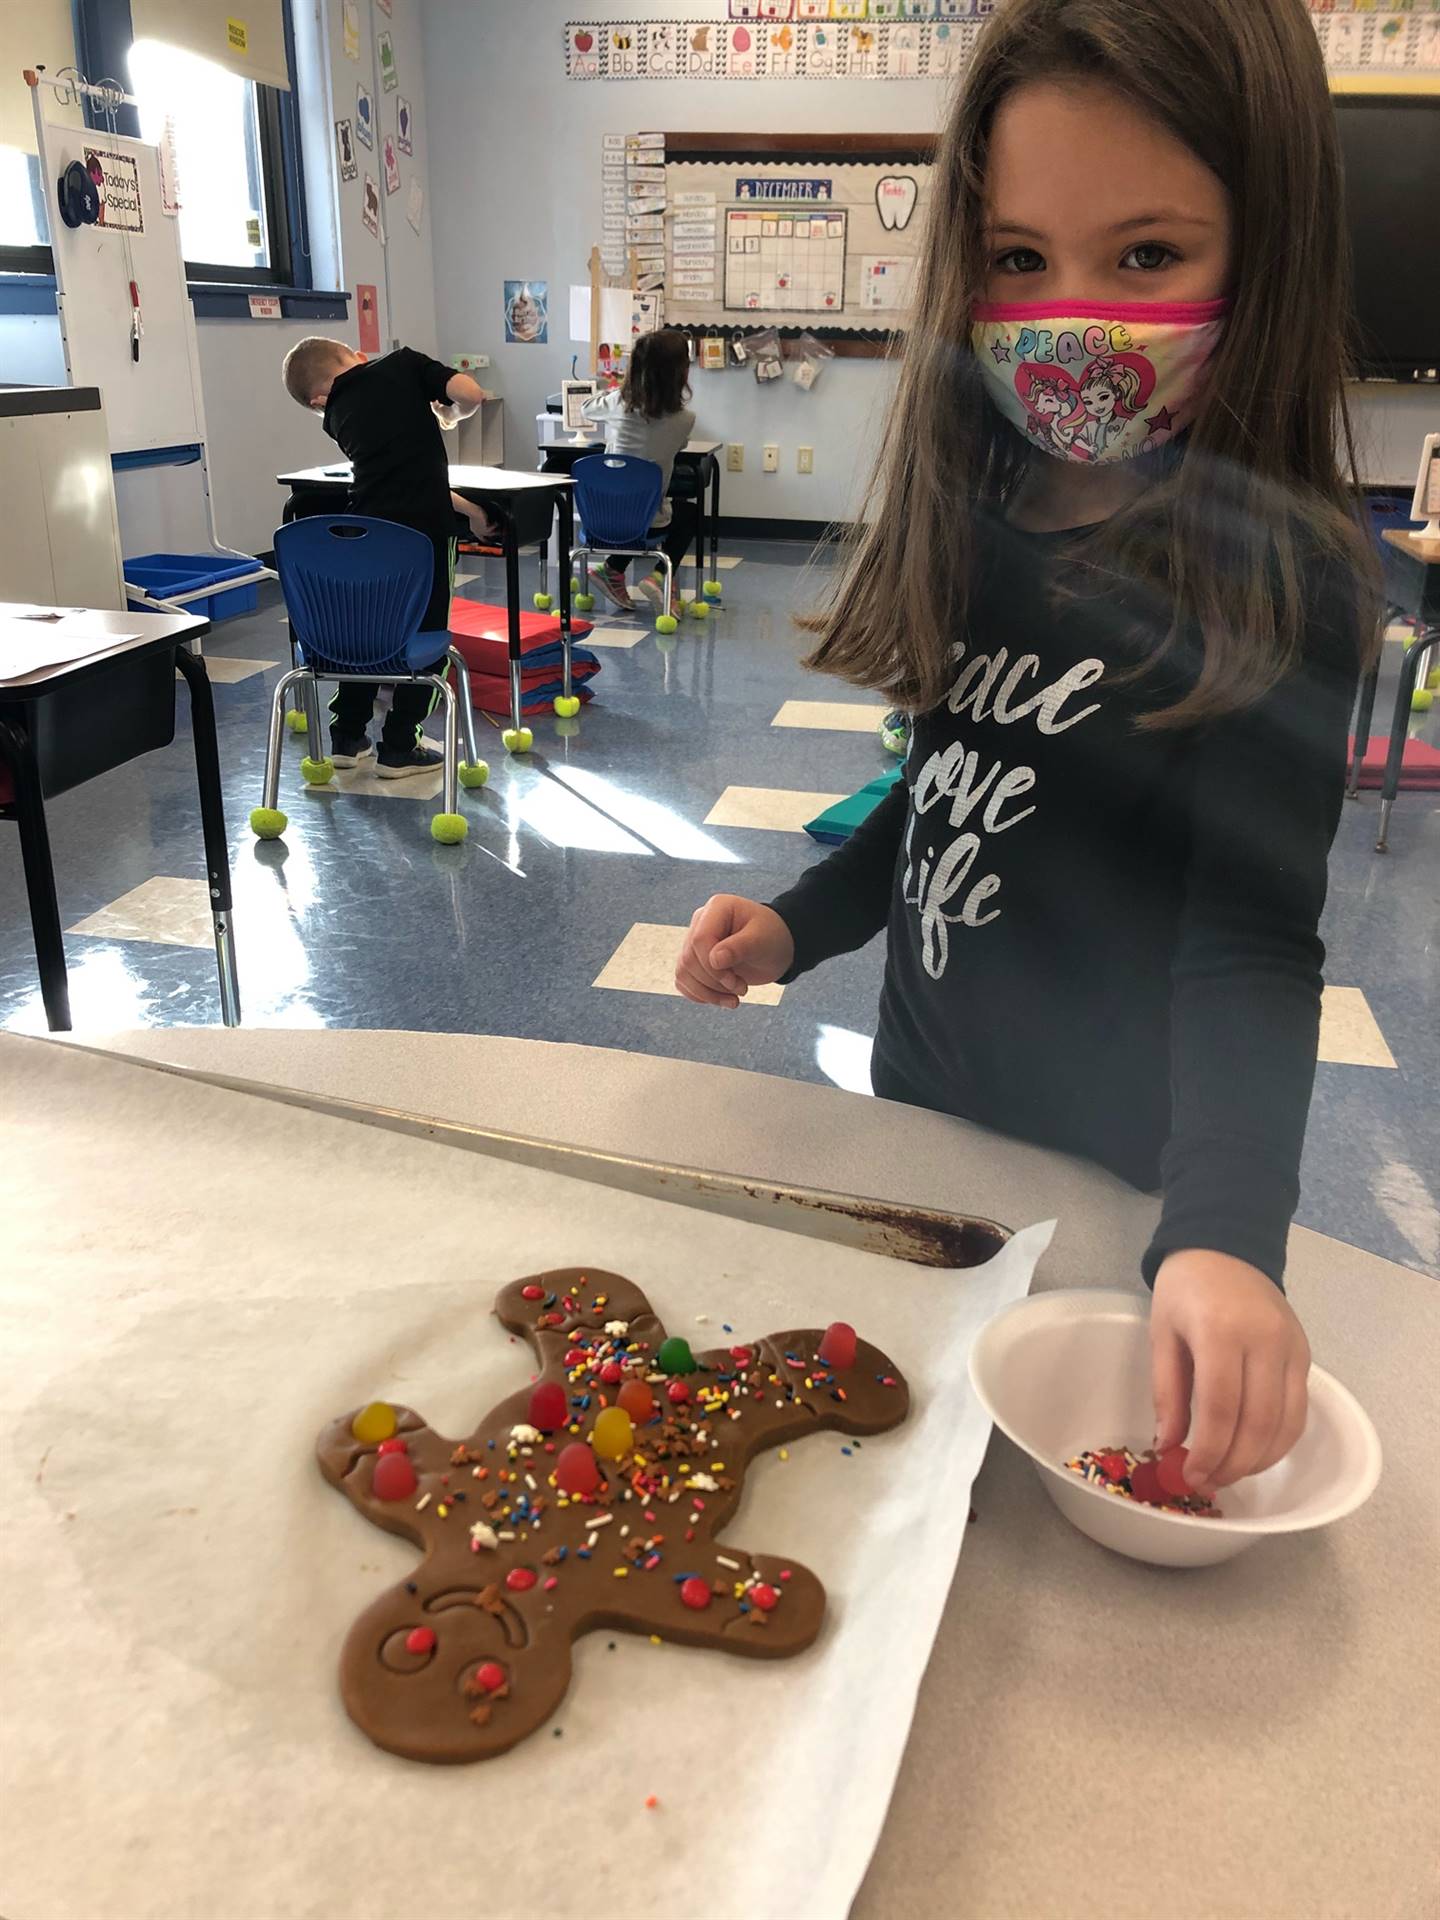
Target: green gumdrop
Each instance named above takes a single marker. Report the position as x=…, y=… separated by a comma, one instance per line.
x=675, y=1356
x=268, y=823
x=449, y=828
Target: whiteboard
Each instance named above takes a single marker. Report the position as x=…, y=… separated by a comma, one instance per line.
x=156, y=401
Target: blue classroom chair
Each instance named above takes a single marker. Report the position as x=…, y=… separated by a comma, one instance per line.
x=356, y=590
x=616, y=500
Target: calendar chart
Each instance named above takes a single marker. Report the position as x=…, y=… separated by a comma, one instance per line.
x=779, y=261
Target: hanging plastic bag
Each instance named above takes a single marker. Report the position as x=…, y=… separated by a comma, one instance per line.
x=765, y=356
x=712, y=353
x=809, y=360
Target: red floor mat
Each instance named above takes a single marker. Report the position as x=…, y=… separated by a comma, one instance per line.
x=1419, y=769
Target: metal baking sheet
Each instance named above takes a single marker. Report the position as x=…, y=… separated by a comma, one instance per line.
x=924, y=1236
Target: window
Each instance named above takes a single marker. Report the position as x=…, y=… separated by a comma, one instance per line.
x=229, y=150
x=24, y=242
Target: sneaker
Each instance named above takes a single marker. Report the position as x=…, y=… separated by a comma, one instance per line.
x=653, y=591
x=399, y=763
x=895, y=732
x=612, y=584
x=348, y=750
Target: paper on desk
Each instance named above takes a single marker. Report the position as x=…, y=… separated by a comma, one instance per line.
x=182, y=1322
x=29, y=642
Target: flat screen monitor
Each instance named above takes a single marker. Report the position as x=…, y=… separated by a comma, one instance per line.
x=1391, y=149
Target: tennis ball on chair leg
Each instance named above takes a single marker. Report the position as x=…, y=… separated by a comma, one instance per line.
x=317, y=773
x=296, y=721
x=1432, y=680
x=517, y=739
x=267, y=823
x=713, y=589
x=584, y=603
x=567, y=705
x=698, y=609
x=666, y=623
x=1421, y=700
x=474, y=773
x=543, y=603
x=449, y=828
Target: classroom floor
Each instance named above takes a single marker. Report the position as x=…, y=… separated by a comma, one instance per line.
x=559, y=918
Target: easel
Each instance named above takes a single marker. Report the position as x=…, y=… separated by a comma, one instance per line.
x=99, y=296
x=598, y=284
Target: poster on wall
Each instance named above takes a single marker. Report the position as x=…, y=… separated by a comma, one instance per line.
x=345, y=149
x=169, y=170
x=385, y=54
x=527, y=313
x=350, y=27
x=415, y=204
x=364, y=117
x=385, y=6
x=392, y=167
x=404, y=126
x=116, y=180
x=370, y=212
x=367, y=308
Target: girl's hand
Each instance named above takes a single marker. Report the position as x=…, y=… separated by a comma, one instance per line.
x=1230, y=1362
x=732, y=945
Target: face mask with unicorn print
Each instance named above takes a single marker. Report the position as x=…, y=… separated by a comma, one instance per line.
x=1110, y=383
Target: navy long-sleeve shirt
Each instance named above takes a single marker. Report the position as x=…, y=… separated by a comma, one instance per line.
x=1102, y=939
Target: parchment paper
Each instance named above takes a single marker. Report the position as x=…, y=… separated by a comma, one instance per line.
x=195, y=1281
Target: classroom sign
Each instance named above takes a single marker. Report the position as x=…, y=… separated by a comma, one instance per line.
x=116, y=180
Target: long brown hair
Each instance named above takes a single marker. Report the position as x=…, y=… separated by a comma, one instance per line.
x=656, y=382
x=1232, y=527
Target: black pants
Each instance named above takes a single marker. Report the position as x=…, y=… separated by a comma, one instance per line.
x=676, y=539
x=353, y=704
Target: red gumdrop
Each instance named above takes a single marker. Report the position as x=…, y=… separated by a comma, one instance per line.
x=420, y=1640
x=637, y=1400
x=837, y=1348
x=766, y=1598
x=520, y=1579
x=575, y=1470
x=397, y=1445
x=490, y=1676
x=549, y=1408
x=575, y=1356
x=677, y=1393
x=394, y=1477
x=1170, y=1471
x=740, y=1355
x=1146, y=1484
x=532, y=1293
x=695, y=1593
x=612, y=1373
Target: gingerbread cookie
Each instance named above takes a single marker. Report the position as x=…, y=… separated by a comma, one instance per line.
x=590, y=1499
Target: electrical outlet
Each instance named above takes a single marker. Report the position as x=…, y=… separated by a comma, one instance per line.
x=734, y=457
x=805, y=459
x=771, y=460
x=470, y=362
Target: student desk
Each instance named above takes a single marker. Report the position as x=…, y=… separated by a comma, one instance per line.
x=505, y=493
x=702, y=459
x=63, y=725
x=1412, y=583
x=1075, y=1702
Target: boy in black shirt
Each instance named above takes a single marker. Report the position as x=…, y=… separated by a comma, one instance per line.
x=386, y=416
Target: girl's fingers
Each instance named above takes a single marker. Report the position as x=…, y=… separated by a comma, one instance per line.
x=1292, y=1418
x=694, y=987
x=1170, y=1384
x=1261, y=1409
x=1218, y=1392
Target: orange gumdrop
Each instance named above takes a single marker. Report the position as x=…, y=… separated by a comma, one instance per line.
x=637, y=1400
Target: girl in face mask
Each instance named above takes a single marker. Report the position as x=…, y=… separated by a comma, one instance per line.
x=1129, y=645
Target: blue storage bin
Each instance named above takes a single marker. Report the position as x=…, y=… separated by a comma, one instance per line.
x=163, y=575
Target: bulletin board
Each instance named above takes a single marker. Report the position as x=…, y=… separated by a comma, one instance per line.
x=791, y=232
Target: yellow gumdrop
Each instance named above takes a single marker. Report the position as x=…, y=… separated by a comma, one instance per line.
x=614, y=1434
x=374, y=1423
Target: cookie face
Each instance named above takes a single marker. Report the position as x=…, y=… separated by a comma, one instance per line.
x=591, y=1498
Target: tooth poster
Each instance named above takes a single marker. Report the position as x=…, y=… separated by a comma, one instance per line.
x=895, y=200
x=787, y=40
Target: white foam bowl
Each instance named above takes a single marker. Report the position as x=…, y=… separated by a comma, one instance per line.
x=1062, y=1372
